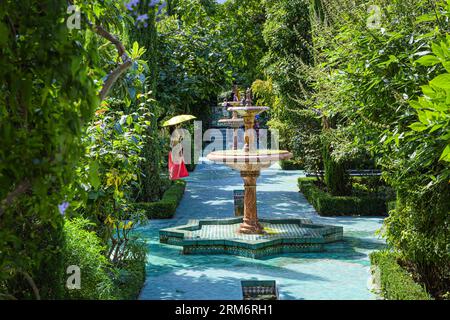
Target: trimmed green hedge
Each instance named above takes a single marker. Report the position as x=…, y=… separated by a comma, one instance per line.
x=328, y=205
x=291, y=165
x=132, y=280
x=395, y=282
x=164, y=209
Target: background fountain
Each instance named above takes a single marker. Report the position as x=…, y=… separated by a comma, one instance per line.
x=235, y=122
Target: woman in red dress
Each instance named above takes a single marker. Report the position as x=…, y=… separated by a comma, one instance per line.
x=177, y=166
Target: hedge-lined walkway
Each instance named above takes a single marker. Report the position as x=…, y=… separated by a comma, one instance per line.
x=340, y=273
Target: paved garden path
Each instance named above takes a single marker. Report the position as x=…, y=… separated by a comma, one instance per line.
x=342, y=272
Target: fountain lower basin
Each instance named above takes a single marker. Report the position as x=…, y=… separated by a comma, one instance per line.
x=233, y=123
x=241, y=160
x=222, y=237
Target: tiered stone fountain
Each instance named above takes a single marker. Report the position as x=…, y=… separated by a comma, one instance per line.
x=249, y=162
x=250, y=236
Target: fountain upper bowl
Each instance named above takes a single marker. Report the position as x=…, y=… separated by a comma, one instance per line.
x=250, y=110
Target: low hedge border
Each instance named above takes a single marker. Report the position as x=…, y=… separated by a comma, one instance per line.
x=291, y=165
x=132, y=281
x=164, y=209
x=328, y=205
x=395, y=282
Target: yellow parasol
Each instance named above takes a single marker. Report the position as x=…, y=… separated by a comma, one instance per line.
x=178, y=119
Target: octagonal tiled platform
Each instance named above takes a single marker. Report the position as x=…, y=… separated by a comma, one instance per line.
x=220, y=236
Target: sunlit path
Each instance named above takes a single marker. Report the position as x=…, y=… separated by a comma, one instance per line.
x=342, y=272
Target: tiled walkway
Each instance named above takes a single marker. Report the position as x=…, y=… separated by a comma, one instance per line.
x=342, y=272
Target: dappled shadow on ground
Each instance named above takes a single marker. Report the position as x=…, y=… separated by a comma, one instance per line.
x=172, y=275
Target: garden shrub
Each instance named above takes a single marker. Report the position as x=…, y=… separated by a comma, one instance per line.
x=418, y=230
x=131, y=272
x=396, y=283
x=164, y=209
x=328, y=205
x=100, y=279
x=336, y=177
x=370, y=183
x=111, y=170
x=86, y=250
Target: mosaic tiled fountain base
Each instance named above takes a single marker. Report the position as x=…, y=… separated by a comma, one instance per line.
x=222, y=237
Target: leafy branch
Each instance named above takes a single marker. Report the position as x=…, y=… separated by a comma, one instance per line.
x=127, y=62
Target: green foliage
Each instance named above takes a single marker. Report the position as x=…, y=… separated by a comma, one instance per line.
x=287, y=64
x=291, y=165
x=418, y=229
x=336, y=178
x=47, y=94
x=391, y=205
x=369, y=184
x=264, y=93
x=110, y=173
x=100, y=279
x=368, y=80
x=328, y=205
x=396, y=283
x=164, y=209
x=49, y=82
x=202, y=48
x=193, y=65
x=433, y=108
x=130, y=273
x=243, y=22
x=86, y=250
x=287, y=34
x=146, y=36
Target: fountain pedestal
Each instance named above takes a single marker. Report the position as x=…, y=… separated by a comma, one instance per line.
x=251, y=224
